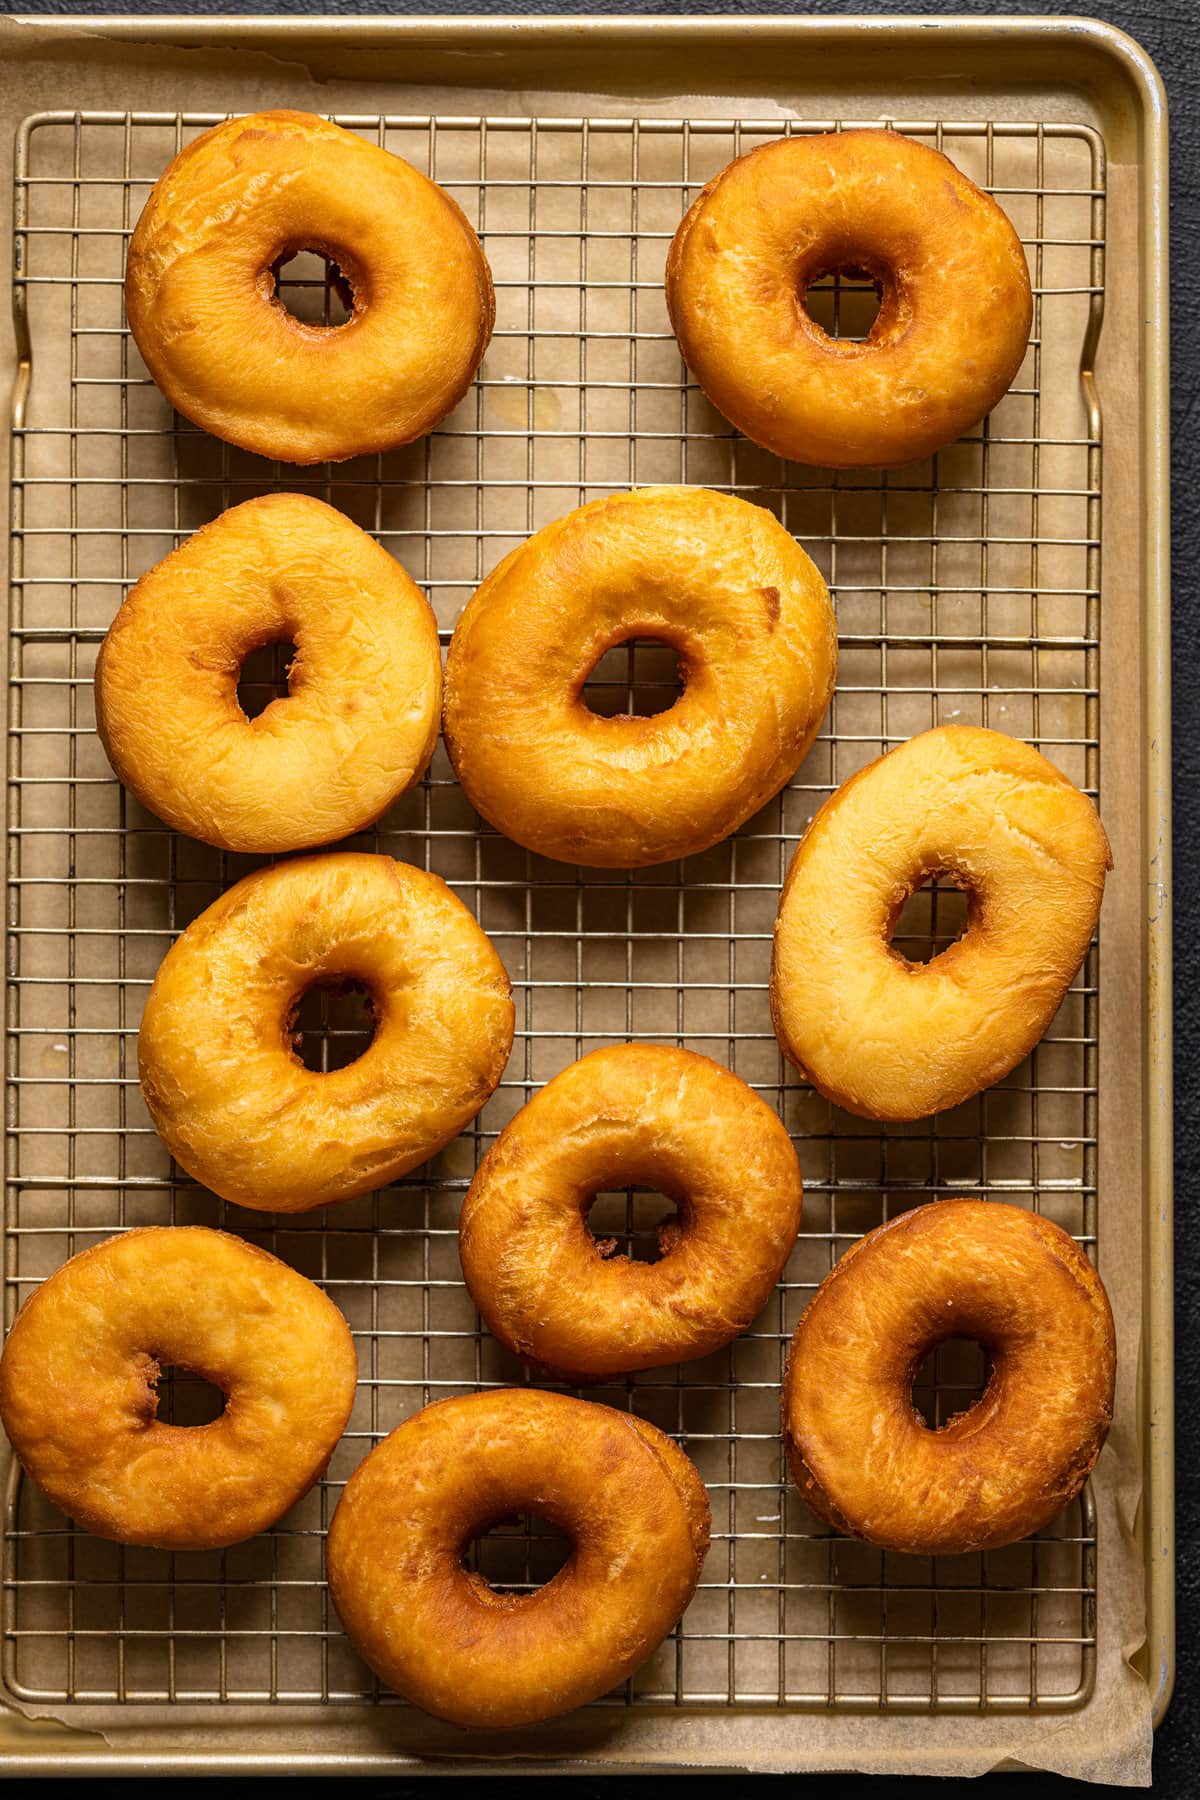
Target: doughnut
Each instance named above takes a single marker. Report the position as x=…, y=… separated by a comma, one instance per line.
x=225, y=1088
x=200, y=291
x=360, y=718
x=631, y=1114
x=890, y=1039
x=628, y=1498
x=749, y=618
x=955, y=306
x=79, y=1397
x=860, y=1452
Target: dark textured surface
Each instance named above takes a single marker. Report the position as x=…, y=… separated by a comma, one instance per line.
x=1170, y=31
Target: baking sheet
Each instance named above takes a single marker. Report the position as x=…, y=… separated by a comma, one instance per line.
x=581, y=393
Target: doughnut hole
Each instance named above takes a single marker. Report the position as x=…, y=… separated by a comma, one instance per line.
x=313, y=288
x=843, y=304
x=850, y=301
x=265, y=676
x=951, y=1378
x=635, y=679
x=185, y=1398
x=332, y=1024
x=934, y=916
x=516, y=1556
x=632, y=1222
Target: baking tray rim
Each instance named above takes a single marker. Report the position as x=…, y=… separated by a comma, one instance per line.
x=38, y=1747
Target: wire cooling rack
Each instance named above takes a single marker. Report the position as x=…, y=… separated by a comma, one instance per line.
x=967, y=588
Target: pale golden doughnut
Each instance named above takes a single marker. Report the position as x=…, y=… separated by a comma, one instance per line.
x=861, y=1454
x=228, y=1095
x=631, y=1114
x=955, y=301
x=890, y=1039
x=200, y=291
x=749, y=618
x=360, y=719
x=627, y=1496
x=78, y=1391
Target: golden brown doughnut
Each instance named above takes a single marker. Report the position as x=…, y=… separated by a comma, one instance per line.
x=890, y=1039
x=860, y=1452
x=626, y=1495
x=955, y=301
x=749, y=618
x=200, y=291
x=228, y=1095
x=632, y=1114
x=360, y=718
x=78, y=1392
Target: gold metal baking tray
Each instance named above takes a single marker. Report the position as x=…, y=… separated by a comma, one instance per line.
x=1017, y=580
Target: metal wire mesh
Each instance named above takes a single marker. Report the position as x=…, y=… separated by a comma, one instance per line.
x=966, y=588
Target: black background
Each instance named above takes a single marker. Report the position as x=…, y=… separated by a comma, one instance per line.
x=1170, y=31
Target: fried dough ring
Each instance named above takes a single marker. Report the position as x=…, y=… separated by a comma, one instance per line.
x=634, y=1113
x=202, y=307
x=749, y=618
x=861, y=1454
x=890, y=1039
x=78, y=1395
x=955, y=301
x=360, y=718
x=228, y=1095
x=627, y=1496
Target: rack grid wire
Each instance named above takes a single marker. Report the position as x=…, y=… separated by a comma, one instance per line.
x=967, y=588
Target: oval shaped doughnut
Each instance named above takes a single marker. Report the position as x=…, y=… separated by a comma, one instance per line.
x=749, y=618
x=860, y=1452
x=890, y=1039
x=360, y=719
x=955, y=302
x=623, y=1492
x=201, y=301
x=632, y=1114
x=228, y=1095
x=78, y=1393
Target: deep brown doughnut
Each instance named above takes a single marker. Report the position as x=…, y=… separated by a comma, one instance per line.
x=861, y=1454
x=627, y=1496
